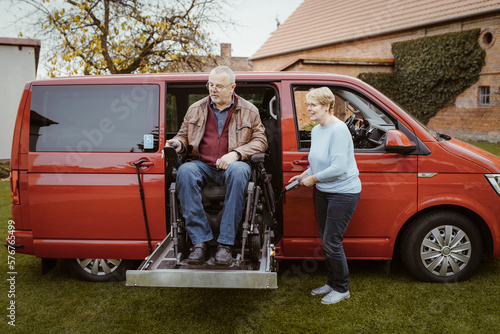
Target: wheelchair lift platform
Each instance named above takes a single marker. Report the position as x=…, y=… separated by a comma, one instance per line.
x=163, y=269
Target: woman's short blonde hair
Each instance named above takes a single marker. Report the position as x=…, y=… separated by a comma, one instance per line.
x=323, y=96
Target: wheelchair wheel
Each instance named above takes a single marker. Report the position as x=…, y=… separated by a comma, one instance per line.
x=183, y=243
x=255, y=245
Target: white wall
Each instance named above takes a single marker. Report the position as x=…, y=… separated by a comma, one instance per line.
x=16, y=68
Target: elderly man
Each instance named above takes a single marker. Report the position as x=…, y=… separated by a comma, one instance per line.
x=219, y=133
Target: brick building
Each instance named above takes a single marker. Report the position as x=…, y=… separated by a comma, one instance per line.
x=225, y=58
x=352, y=37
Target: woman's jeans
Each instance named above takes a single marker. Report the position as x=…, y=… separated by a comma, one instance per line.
x=334, y=212
x=191, y=177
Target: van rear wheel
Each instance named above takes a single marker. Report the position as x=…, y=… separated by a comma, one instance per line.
x=101, y=270
x=442, y=247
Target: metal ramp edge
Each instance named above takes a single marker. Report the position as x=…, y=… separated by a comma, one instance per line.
x=148, y=274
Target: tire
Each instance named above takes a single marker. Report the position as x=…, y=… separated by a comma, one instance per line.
x=182, y=242
x=442, y=247
x=255, y=245
x=100, y=270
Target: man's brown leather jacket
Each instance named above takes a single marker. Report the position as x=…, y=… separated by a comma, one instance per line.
x=246, y=132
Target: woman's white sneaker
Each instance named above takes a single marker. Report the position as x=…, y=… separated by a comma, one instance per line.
x=322, y=291
x=335, y=297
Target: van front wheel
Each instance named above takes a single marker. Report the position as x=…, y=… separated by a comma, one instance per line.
x=100, y=270
x=442, y=247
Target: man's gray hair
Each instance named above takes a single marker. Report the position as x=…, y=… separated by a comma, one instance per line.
x=225, y=70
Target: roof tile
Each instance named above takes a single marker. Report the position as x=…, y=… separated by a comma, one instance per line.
x=321, y=22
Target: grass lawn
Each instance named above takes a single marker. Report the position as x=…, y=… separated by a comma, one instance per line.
x=490, y=147
x=58, y=303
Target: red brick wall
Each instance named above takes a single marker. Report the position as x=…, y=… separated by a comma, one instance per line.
x=467, y=119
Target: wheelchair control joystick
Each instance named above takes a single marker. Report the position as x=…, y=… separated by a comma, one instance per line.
x=170, y=155
x=293, y=185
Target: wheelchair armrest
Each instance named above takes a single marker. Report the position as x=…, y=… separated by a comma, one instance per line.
x=171, y=157
x=257, y=157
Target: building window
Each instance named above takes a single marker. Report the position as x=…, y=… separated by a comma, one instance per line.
x=484, y=95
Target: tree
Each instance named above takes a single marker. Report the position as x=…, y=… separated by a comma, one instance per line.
x=127, y=36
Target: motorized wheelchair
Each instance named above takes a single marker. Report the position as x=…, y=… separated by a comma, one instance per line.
x=258, y=215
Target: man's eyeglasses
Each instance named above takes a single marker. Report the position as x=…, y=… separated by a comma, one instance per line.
x=211, y=86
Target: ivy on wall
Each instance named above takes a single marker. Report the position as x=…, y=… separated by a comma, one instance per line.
x=430, y=72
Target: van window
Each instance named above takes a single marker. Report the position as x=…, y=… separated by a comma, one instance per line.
x=180, y=97
x=264, y=96
x=171, y=115
x=94, y=118
x=369, y=122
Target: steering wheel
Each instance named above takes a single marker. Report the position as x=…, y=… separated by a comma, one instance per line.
x=350, y=124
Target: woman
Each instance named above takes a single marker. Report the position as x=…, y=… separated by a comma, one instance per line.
x=334, y=172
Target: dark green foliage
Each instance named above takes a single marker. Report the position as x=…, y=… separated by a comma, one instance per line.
x=384, y=82
x=4, y=169
x=430, y=72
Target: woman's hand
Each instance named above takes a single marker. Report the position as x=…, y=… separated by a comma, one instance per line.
x=297, y=177
x=305, y=179
x=309, y=181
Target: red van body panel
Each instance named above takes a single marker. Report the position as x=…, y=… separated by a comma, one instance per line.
x=77, y=205
x=23, y=229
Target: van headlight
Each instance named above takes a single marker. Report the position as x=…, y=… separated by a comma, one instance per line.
x=494, y=180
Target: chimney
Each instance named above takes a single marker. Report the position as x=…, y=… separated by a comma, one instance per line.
x=225, y=50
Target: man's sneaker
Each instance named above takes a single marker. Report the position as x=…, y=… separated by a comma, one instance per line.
x=322, y=291
x=335, y=297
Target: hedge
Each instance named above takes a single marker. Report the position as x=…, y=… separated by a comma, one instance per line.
x=430, y=72
x=4, y=169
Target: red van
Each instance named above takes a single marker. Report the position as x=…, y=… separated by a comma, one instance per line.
x=430, y=198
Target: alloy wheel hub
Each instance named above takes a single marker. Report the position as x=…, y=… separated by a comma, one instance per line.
x=445, y=250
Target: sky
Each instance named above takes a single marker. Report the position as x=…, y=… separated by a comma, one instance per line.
x=255, y=19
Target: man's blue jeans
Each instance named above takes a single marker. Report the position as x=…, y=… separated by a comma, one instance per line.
x=191, y=177
x=334, y=212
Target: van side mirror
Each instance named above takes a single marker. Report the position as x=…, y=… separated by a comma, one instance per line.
x=398, y=142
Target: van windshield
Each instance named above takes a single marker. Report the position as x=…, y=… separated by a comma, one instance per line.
x=431, y=132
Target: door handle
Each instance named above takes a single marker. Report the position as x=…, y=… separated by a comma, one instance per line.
x=142, y=163
x=301, y=162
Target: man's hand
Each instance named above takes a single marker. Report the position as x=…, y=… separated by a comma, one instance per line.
x=226, y=160
x=176, y=144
